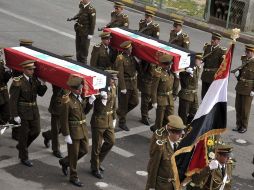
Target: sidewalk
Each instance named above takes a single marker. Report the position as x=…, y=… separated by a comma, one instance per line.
x=245, y=37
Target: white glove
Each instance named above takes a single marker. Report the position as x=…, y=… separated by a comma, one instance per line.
x=104, y=95
x=67, y=139
x=155, y=105
x=6, y=69
x=214, y=164
x=177, y=75
x=114, y=123
x=89, y=37
x=91, y=99
x=17, y=119
x=104, y=102
x=237, y=73
x=124, y=91
x=252, y=93
x=189, y=70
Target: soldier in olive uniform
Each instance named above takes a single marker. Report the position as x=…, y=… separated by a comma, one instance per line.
x=24, y=109
x=244, y=89
x=84, y=28
x=73, y=126
x=218, y=175
x=103, y=122
x=5, y=75
x=103, y=56
x=145, y=78
x=164, y=143
x=15, y=73
x=54, y=109
x=212, y=57
x=126, y=65
x=118, y=18
x=177, y=36
x=188, y=97
x=164, y=90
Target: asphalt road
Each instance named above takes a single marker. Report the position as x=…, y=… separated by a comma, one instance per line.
x=45, y=23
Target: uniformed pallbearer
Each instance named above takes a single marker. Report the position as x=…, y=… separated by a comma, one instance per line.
x=218, y=175
x=84, y=28
x=164, y=143
x=24, y=109
x=73, y=126
x=188, y=97
x=118, y=18
x=126, y=65
x=164, y=90
x=103, y=56
x=212, y=57
x=244, y=89
x=102, y=125
x=177, y=36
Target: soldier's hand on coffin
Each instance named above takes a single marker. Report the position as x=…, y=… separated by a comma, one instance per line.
x=124, y=91
x=92, y=98
x=237, y=73
x=252, y=93
x=114, y=123
x=214, y=164
x=67, y=139
x=189, y=70
x=17, y=119
x=89, y=37
x=104, y=94
x=155, y=105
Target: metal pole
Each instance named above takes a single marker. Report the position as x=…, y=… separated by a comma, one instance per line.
x=229, y=11
x=161, y=1
x=208, y=11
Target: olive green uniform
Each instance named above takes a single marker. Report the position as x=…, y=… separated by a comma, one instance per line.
x=102, y=57
x=23, y=94
x=203, y=180
x=73, y=123
x=188, y=98
x=160, y=173
x=145, y=76
x=4, y=95
x=243, y=89
x=164, y=88
x=118, y=20
x=181, y=39
x=102, y=128
x=127, y=79
x=86, y=19
x=212, y=58
x=55, y=109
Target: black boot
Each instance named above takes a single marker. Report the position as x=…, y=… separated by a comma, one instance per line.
x=145, y=120
x=123, y=126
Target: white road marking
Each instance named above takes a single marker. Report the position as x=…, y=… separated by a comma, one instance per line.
x=230, y=108
x=142, y=173
x=122, y=152
x=101, y=184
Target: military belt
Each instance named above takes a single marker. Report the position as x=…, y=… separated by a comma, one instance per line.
x=27, y=103
x=3, y=88
x=193, y=184
x=210, y=70
x=245, y=80
x=71, y=123
x=164, y=93
x=109, y=112
x=130, y=78
x=169, y=180
x=189, y=91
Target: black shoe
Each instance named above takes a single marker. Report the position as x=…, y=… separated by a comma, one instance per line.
x=64, y=167
x=242, y=130
x=76, y=182
x=57, y=154
x=27, y=163
x=124, y=127
x=145, y=120
x=236, y=129
x=153, y=128
x=101, y=168
x=97, y=173
x=46, y=141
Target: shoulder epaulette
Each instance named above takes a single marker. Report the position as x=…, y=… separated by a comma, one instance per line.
x=243, y=57
x=120, y=57
x=1, y=62
x=66, y=97
x=206, y=45
x=98, y=45
x=16, y=80
x=142, y=20
x=223, y=49
x=156, y=24
x=125, y=16
x=185, y=35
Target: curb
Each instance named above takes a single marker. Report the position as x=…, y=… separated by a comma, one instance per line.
x=188, y=21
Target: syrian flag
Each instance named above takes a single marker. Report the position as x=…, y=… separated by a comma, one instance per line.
x=210, y=119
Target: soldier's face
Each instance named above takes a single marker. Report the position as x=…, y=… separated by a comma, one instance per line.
x=148, y=18
x=175, y=135
x=29, y=72
x=249, y=54
x=215, y=41
x=177, y=28
x=198, y=62
x=129, y=50
x=222, y=158
x=85, y=1
x=106, y=41
x=118, y=9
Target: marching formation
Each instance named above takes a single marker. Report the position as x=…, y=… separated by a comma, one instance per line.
x=158, y=84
